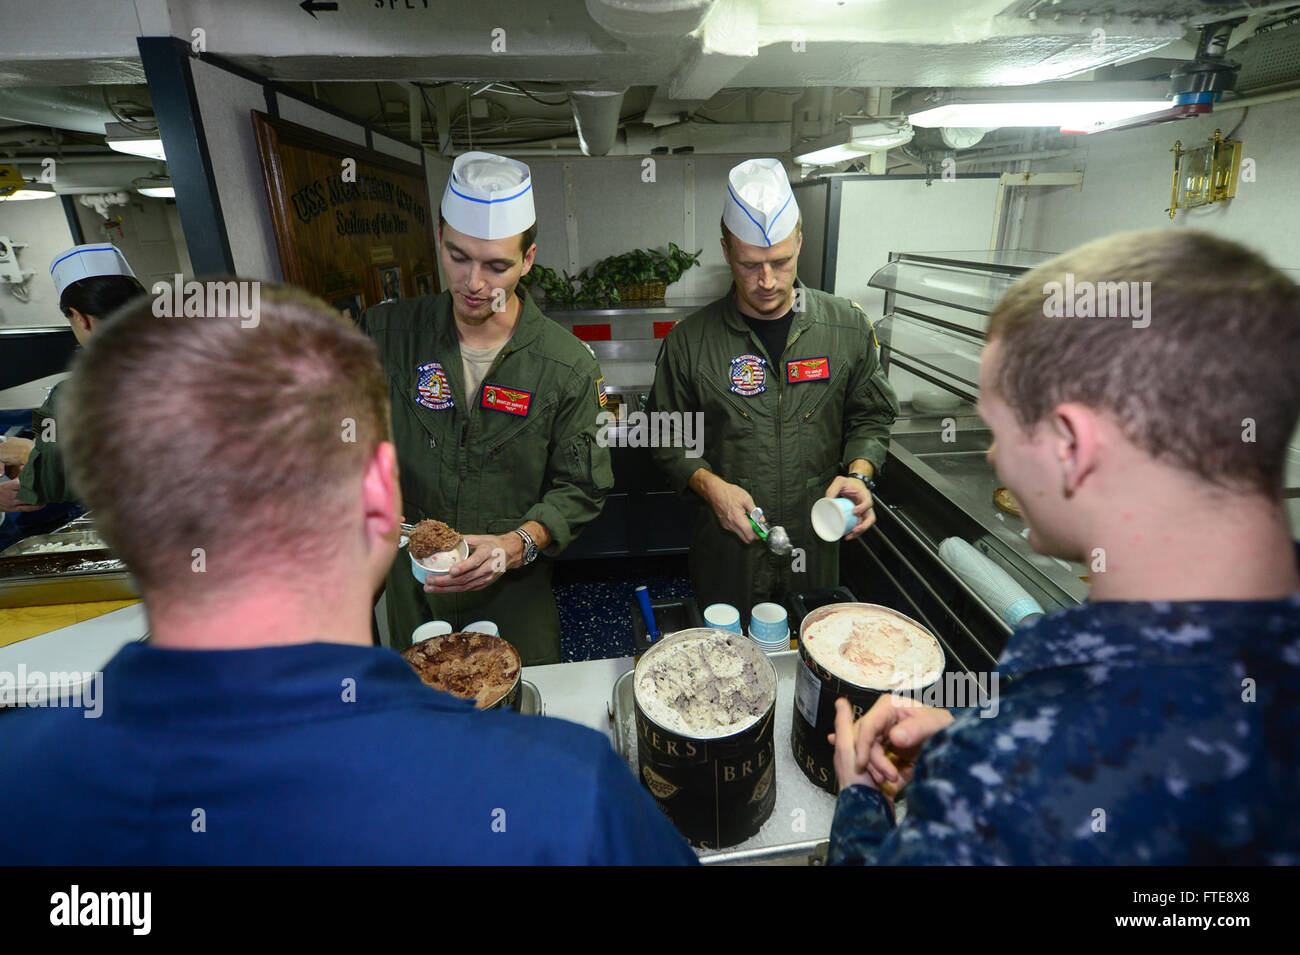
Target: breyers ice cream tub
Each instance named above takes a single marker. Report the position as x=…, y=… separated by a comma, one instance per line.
x=857, y=651
x=705, y=701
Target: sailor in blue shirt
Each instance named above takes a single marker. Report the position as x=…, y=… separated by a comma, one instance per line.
x=1156, y=723
x=258, y=724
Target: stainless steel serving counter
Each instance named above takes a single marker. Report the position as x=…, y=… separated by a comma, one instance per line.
x=959, y=471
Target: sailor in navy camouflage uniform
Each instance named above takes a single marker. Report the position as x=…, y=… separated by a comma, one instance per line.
x=1126, y=730
x=1127, y=733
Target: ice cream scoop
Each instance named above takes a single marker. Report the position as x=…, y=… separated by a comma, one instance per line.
x=778, y=541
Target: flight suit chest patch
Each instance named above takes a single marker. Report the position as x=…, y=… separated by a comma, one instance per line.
x=507, y=400
x=748, y=376
x=432, y=390
x=808, y=369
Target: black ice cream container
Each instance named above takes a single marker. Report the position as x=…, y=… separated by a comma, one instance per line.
x=718, y=791
x=816, y=690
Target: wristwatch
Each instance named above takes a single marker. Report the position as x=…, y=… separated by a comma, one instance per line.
x=868, y=481
x=530, y=546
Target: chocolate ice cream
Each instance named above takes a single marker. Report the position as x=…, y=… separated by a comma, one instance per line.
x=469, y=665
x=433, y=537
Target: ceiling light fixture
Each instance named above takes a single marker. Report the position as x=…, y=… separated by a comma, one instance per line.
x=158, y=187
x=857, y=141
x=31, y=190
x=1077, y=106
x=126, y=140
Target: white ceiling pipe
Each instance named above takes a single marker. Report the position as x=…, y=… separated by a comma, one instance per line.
x=62, y=108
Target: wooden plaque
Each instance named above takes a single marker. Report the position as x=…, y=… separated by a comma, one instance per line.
x=352, y=225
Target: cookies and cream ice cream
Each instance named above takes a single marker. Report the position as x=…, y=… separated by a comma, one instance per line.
x=873, y=647
x=433, y=544
x=706, y=686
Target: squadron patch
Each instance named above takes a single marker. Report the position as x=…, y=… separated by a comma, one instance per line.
x=748, y=376
x=432, y=388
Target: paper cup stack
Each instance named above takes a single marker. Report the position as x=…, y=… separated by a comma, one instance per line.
x=769, y=627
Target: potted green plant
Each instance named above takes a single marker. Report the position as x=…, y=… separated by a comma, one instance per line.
x=639, y=277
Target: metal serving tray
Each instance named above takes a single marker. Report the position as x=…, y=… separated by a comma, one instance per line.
x=81, y=569
x=775, y=844
x=530, y=699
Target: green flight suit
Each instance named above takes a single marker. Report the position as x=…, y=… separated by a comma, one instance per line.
x=487, y=463
x=43, y=479
x=782, y=435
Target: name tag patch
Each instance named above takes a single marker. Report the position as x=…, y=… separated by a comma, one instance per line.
x=432, y=388
x=748, y=376
x=808, y=369
x=499, y=398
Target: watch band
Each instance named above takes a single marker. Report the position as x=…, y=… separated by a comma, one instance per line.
x=865, y=479
x=530, y=546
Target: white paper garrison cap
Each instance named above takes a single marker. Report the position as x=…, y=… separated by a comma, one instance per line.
x=84, y=261
x=760, y=207
x=489, y=196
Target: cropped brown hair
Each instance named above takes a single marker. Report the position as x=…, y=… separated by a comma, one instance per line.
x=526, y=238
x=198, y=432
x=1215, y=367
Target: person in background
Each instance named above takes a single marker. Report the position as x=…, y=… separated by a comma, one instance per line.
x=91, y=281
x=495, y=411
x=258, y=723
x=1154, y=724
x=794, y=401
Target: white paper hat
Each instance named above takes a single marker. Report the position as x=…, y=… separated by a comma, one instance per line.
x=760, y=207
x=489, y=196
x=84, y=261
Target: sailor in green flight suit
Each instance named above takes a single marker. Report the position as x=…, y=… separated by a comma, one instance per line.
x=494, y=416
x=794, y=401
x=91, y=282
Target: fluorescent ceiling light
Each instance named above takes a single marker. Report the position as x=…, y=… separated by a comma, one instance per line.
x=35, y=190
x=126, y=140
x=860, y=140
x=1069, y=115
x=159, y=187
x=1071, y=105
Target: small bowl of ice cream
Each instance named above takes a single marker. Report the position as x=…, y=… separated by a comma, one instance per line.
x=435, y=548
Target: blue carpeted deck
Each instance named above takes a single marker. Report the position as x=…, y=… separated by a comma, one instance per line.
x=595, y=597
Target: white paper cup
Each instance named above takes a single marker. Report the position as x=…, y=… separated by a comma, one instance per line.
x=722, y=617
x=483, y=626
x=445, y=563
x=833, y=517
x=767, y=621
x=434, y=628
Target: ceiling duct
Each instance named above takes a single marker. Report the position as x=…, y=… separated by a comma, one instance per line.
x=77, y=108
x=596, y=113
x=648, y=23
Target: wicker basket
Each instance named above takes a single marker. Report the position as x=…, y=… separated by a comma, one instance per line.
x=647, y=293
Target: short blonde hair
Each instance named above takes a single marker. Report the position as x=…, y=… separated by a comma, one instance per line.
x=1218, y=357
x=197, y=432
